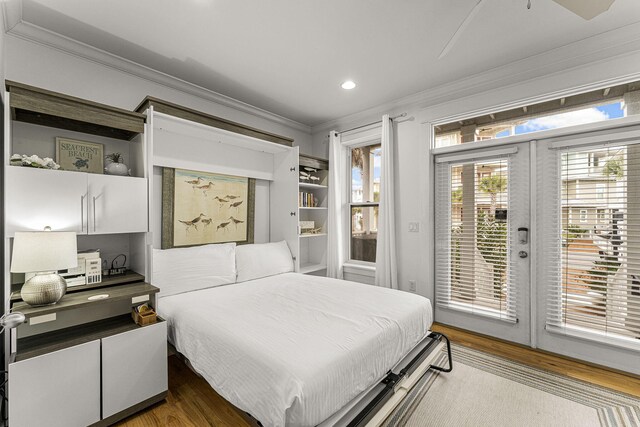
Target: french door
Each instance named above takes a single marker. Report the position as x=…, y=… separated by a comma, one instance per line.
x=580, y=194
x=482, y=241
x=588, y=271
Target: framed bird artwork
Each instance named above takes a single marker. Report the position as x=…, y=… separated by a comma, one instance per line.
x=200, y=208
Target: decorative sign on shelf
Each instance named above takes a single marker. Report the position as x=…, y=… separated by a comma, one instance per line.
x=79, y=156
x=199, y=208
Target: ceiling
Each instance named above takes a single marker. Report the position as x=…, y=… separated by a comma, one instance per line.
x=290, y=56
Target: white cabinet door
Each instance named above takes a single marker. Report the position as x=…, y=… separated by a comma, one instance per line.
x=134, y=367
x=36, y=198
x=117, y=204
x=57, y=389
x=284, y=201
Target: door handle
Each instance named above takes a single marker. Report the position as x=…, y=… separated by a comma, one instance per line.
x=94, y=213
x=523, y=235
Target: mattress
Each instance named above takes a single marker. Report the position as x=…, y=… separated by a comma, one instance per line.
x=293, y=349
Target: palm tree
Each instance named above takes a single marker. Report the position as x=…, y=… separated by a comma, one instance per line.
x=493, y=185
x=357, y=158
x=613, y=167
x=456, y=195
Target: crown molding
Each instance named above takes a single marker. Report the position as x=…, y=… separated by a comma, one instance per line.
x=33, y=33
x=595, y=49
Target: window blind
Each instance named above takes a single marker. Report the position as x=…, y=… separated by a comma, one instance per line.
x=590, y=252
x=473, y=271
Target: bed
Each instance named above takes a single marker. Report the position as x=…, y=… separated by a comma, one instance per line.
x=292, y=349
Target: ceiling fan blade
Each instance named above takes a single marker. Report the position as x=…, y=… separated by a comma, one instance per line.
x=587, y=9
x=452, y=41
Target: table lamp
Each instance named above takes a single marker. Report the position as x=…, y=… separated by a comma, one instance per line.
x=44, y=253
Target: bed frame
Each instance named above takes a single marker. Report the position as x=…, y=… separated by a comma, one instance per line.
x=373, y=407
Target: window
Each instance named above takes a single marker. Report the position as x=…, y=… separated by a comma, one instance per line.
x=568, y=111
x=601, y=188
x=601, y=215
x=594, y=274
x=472, y=220
x=365, y=197
x=583, y=215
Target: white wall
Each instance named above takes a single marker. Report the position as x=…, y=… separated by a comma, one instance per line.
x=49, y=68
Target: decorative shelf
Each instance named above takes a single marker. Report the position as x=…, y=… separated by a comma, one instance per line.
x=313, y=235
x=47, y=108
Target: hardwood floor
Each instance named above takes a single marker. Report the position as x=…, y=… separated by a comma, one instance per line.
x=572, y=368
x=193, y=403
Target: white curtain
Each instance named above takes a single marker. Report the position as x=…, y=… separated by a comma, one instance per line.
x=335, y=238
x=386, y=262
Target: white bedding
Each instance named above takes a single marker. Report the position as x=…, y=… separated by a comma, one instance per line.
x=293, y=349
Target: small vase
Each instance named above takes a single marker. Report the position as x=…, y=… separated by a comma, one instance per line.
x=117, y=169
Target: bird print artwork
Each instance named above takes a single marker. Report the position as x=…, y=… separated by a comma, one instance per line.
x=196, y=181
x=235, y=221
x=221, y=201
x=236, y=205
x=209, y=207
x=206, y=187
x=193, y=223
x=223, y=226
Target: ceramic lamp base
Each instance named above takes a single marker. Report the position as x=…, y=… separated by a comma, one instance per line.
x=44, y=289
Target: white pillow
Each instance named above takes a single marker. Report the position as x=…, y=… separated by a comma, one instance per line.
x=262, y=260
x=188, y=269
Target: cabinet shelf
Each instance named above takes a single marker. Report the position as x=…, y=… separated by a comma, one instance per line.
x=312, y=207
x=308, y=185
x=33, y=346
x=311, y=268
x=107, y=281
x=312, y=235
x=80, y=299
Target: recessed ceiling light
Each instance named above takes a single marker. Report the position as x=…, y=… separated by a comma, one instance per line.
x=348, y=85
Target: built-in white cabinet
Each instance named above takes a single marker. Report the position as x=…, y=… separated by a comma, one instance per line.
x=134, y=367
x=117, y=204
x=74, y=201
x=313, y=211
x=284, y=203
x=57, y=389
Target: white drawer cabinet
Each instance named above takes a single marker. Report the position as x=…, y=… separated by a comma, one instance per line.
x=61, y=388
x=134, y=367
x=74, y=201
x=96, y=383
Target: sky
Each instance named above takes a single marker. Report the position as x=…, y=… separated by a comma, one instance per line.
x=572, y=118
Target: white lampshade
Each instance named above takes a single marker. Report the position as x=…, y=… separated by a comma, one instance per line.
x=36, y=251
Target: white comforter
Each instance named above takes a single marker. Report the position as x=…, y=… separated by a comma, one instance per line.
x=293, y=349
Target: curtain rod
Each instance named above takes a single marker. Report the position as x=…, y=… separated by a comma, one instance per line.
x=372, y=123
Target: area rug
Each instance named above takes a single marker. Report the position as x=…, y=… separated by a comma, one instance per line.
x=486, y=390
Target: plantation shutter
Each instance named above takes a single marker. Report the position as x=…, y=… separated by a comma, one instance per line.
x=589, y=214
x=473, y=233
